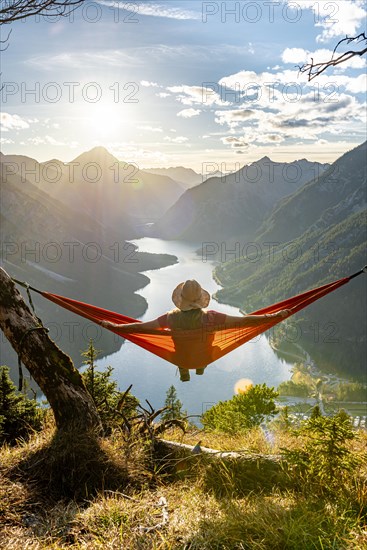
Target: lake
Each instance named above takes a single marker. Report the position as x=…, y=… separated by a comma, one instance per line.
x=152, y=376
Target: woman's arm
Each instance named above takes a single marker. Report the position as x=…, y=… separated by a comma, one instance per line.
x=133, y=327
x=254, y=320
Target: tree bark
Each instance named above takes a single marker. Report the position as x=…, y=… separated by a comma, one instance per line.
x=51, y=368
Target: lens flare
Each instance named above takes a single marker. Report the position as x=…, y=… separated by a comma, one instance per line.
x=243, y=385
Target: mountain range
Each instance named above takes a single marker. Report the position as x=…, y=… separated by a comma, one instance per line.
x=235, y=204
x=316, y=235
x=115, y=193
x=186, y=177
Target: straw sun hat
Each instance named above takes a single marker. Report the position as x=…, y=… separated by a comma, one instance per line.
x=190, y=295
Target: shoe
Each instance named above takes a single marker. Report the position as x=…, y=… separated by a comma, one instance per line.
x=184, y=375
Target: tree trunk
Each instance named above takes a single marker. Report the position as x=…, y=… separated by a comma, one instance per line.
x=51, y=368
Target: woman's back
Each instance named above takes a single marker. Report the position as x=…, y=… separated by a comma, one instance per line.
x=185, y=320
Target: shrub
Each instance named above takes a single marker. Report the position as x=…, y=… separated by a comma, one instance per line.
x=113, y=406
x=325, y=462
x=19, y=415
x=241, y=412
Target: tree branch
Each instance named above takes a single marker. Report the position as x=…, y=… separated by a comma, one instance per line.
x=13, y=10
x=315, y=69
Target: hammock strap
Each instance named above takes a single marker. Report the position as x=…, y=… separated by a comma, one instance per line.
x=363, y=270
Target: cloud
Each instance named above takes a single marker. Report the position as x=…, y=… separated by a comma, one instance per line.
x=49, y=140
x=189, y=113
x=12, y=122
x=266, y=87
x=337, y=19
x=197, y=95
x=150, y=128
x=357, y=85
x=178, y=139
x=148, y=84
x=154, y=10
x=83, y=60
x=235, y=142
x=234, y=117
x=282, y=118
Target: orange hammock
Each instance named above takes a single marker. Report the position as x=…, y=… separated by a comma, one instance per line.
x=196, y=348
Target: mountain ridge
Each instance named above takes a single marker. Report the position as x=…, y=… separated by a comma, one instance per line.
x=220, y=208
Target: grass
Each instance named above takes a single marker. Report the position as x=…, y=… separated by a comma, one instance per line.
x=207, y=506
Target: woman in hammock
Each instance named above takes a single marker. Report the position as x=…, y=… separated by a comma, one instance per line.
x=190, y=300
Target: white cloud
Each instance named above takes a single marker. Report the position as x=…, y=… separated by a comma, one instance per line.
x=234, y=142
x=197, y=95
x=49, y=140
x=189, y=113
x=266, y=88
x=150, y=128
x=178, y=139
x=357, y=85
x=6, y=141
x=235, y=117
x=163, y=95
x=148, y=84
x=83, y=60
x=337, y=19
x=154, y=10
x=280, y=116
x=12, y=122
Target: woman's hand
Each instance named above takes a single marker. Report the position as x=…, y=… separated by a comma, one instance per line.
x=107, y=324
x=283, y=313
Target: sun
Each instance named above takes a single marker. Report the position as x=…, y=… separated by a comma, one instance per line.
x=105, y=120
x=243, y=385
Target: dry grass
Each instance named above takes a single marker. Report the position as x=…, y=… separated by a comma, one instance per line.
x=128, y=515
x=255, y=440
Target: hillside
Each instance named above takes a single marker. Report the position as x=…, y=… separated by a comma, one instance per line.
x=176, y=503
x=236, y=204
x=317, y=235
x=184, y=176
x=338, y=192
x=114, y=193
x=57, y=248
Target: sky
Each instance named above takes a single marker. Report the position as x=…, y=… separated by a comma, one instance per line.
x=184, y=83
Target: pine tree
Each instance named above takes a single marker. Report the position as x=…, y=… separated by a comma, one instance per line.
x=325, y=461
x=19, y=415
x=111, y=405
x=174, y=410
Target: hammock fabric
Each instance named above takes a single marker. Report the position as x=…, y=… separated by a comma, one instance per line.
x=196, y=348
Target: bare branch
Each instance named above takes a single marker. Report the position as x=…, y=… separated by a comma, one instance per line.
x=315, y=69
x=13, y=10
